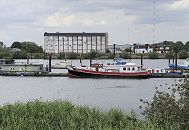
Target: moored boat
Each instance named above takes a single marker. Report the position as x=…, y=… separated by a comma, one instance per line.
x=184, y=65
x=61, y=65
x=127, y=70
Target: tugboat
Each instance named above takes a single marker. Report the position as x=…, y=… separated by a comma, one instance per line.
x=118, y=69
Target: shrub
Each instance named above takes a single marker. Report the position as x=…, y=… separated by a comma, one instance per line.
x=124, y=55
x=169, y=55
x=153, y=55
x=38, y=55
x=170, y=108
x=108, y=51
x=62, y=115
x=72, y=55
x=19, y=55
x=61, y=56
x=183, y=54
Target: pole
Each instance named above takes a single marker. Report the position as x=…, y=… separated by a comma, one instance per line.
x=90, y=62
x=80, y=60
x=50, y=56
x=114, y=50
x=176, y=61
x=130, y=53
x=27, y=59
x=141, y=60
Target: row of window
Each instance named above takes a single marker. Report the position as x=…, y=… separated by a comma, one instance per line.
x=130, y=68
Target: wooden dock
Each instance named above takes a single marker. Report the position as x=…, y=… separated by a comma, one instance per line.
x=38, y=75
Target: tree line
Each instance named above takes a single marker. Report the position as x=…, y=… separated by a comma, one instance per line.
x=22, y=50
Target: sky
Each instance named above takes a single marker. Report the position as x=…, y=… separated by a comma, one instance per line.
x=126, y=21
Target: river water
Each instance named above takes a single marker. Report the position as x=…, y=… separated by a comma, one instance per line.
x=101, y=93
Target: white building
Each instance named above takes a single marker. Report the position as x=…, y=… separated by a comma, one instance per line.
x=75, y=42
x=142, y=48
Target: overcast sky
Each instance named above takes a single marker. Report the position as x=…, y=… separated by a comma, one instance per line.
x=126, y=21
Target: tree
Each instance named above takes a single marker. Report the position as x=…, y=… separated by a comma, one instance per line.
x=170, y=108
x=183, y=54
x=153, y=55
x=72, y=55
x=16, y=44
x=92, y=54
x=19, y=55
x=1, y=44
x=169, y=55
x=176, y=48
x=186, y=46
x=108, y=51
x=124, y=55
x=127, y=49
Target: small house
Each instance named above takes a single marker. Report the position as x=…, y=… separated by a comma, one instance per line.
x=142, y=48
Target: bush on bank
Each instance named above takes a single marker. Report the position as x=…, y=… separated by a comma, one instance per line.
x=170, y=108
x=153, y=55
x=62, y=115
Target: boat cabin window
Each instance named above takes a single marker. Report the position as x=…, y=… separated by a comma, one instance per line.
x=133, y=68
x=128, y=69
x=124, y=68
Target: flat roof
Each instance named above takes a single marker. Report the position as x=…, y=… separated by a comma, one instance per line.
x=74, y=34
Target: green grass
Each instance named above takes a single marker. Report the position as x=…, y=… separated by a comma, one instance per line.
x=62, y=115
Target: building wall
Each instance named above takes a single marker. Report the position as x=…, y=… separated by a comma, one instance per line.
x=75, y=42
x=143, y=50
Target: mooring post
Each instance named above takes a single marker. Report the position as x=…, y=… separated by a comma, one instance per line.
x=130, y=53
x=90, y=60
x=141, y=60
x=176, y=61
x=80, y=59
x=114, y=50
x=50, y=56
x=27, y=59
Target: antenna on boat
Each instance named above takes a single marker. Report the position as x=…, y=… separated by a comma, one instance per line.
x=154, y=19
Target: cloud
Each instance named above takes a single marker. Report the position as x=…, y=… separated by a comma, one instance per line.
x=29, y=19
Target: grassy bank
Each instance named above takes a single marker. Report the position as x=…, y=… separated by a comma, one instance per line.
x=62, y=115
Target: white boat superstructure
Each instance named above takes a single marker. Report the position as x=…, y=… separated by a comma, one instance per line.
x=61, y=65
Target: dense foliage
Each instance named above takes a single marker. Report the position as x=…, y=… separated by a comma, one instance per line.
x=153, y=55
x=183, y=54
x=28, y=47
x=124, y=55
x=62, y=115
x=170, y=108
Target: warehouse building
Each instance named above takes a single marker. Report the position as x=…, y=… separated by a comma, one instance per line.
x=75, y=42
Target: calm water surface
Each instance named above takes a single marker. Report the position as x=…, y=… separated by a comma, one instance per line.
x=102, y=93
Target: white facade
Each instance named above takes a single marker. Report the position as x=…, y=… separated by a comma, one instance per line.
x=75, y=42
x=143, y=50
